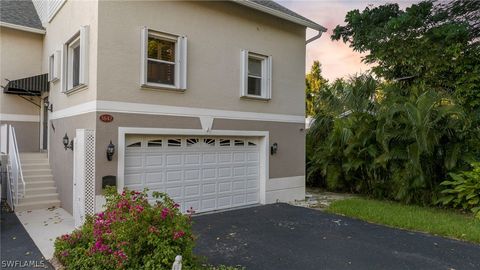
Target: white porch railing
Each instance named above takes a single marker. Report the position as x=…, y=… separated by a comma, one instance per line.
x=15, y=182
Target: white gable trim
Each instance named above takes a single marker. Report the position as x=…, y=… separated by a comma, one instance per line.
x=22, y=28
x=154, y=109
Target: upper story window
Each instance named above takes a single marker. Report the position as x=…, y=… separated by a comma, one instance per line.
x=54, y=66
x=75, y=61
x=256, y=75
x=164, y=60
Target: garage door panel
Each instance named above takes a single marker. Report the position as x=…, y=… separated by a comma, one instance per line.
x=154, y=177
x=154, y=160
x=209, y=173
x=133, y=161
x=192, y=190
x=174, y=176
x=209, y=189
x=239, y=171
x=209, y=158
x=239, y=157
x=133, y=178
x=192, y=175
x=224, y=172
x=203, y=173
x=224, y=187
x=174, y=160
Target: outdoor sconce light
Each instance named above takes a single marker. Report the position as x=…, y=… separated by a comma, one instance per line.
x=274, y=148
x=110, y=150
x=48, y=106
x=67, y=142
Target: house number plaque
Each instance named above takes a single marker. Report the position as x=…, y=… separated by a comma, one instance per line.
x=107, y=118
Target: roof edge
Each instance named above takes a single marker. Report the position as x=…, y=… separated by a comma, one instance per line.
x=280, y=14
x=23, y=28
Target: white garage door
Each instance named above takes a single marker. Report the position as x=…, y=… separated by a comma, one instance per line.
x=203, y=173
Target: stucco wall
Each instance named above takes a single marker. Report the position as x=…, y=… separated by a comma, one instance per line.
x=20, y=56
x=64, y=26
x=217, y=32
x=61, y=160
x=28, y=135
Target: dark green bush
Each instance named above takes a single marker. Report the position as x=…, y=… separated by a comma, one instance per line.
x=463, y=190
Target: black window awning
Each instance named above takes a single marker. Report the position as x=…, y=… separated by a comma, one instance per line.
x=30, y=86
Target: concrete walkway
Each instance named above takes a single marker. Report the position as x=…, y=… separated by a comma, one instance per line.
x=286, y=237
x=45, y=225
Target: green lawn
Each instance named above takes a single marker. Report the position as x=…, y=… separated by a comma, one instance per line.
x=424, y=219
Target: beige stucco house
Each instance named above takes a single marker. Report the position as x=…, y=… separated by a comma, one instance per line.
x=202, y=100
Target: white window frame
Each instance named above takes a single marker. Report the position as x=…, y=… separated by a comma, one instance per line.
x=180, y=80
x=54, y=67
x=266, y=86
x=79, y=39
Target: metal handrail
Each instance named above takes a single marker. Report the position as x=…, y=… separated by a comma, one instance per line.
x=15, y=164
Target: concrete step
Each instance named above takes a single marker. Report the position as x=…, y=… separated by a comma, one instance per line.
x=36, y=172
x=35, y=166
x=39, y=184
x=41, y=190
x=26, y=155
x=32, y=197
x=34, y=161
x=33, y=178
x=37, y=205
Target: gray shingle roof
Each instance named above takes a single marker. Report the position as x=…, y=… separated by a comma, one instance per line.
x=273, y=5
x=19, y=12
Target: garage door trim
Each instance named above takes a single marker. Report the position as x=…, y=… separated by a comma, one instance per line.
x=262, y=135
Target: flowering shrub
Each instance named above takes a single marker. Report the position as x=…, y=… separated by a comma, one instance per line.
x=130, y=234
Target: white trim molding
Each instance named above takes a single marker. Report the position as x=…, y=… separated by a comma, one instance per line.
x=153, y=109
x=19, y=117
x=264, y=149
x=23, y=28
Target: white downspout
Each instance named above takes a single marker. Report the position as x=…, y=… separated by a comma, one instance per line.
x=317, y=36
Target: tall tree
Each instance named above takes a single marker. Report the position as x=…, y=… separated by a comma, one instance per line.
x=432, y=43
x=314, y=82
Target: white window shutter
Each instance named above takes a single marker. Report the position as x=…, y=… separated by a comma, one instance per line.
x=243, y=73
x=64, y=73
x=182, y=62
x=84, y=46
x=268, y=88
x=143, y=59
x=56, y=64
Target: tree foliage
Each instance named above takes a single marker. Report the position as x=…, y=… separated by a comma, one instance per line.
x=434, y=43
x=314, y=82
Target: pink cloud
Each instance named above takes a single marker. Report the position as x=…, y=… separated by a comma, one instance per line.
x=337, y=59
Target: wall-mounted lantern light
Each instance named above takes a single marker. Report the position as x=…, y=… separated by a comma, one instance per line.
x=67, y=142
x=48, y=106
x=110, y=150
x=273, y=149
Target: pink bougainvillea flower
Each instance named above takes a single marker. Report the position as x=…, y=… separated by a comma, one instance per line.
x=165, y=212
x=176, y=205
x=178, y=234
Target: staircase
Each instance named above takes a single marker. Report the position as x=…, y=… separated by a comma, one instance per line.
x=40, y=189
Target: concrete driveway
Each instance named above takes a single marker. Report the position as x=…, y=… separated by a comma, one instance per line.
x=281, y=236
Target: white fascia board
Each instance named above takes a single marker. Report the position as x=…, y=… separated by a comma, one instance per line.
x=19, y=117
x=280, y=14
x=154, y=109
x=23, y=28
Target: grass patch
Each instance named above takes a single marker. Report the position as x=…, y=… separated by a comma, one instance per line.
x=424, y=219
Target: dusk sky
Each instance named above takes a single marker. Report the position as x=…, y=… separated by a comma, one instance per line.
x=337, y=58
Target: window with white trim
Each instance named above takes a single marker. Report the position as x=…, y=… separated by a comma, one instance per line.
x=75, y=61
x=54, y=66
x=256, y=75
x=164, y=60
